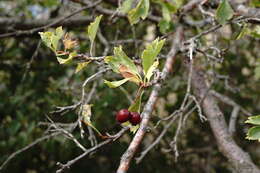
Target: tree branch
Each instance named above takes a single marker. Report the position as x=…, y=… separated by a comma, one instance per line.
x=239, y=159
x=146, y=114
x=55, y=22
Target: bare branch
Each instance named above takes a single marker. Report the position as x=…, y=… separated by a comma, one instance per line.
x=233, y=120
x=26, y=32
x=27, y=147
x=63, y=167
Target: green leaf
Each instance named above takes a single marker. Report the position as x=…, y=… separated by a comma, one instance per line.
x=255, y=32
x=150, y=53
x=151, y=69
x=166, y=13
x=164, y=26
x=93, y=27
x=253, y=133
x=136, y=106
x=255, y=3
x=92, y=31
x=140, y=11
x=65, y=61
x=115, y=84
x=126, y=6
x=254, y=120
x=119, y=59
x=224, y=12
x=81, y=65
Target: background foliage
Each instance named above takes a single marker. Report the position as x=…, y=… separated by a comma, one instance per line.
x=32, y=87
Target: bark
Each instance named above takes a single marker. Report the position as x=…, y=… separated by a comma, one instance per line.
x=148, y=109
x=239, y=159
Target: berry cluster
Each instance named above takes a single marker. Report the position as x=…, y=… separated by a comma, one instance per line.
x=124, y=115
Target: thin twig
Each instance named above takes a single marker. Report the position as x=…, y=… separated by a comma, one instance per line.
x=233, y=120
x=26, y=32
x=27, y=147
x=67, y=165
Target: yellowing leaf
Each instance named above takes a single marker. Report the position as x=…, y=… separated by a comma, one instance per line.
x=140, y=11
x=81, y=65
x=115, y=84
x=126, y=73
x=46, y=38
x=253, y=120
x=150, y=53
x=133, y=129
x=59, y=32
x=253, y=133
x=86, y=114
x=119, y=60
x=224, y=12
x=65, y=61
x=51, y=39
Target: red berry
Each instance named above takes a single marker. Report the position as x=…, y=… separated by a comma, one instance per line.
x=123, y=115
x=135, y=118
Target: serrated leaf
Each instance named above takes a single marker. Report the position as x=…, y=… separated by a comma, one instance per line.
x=253, y=133
x=126, y=6
x=54, y=41
x=46, y=38
x=86, y=114
x=67, y=60
x=81, y=65
x=254, y=120
x=51, y=39
x=115, y=84
x=136, y=106
x=151, y=70
x=59, y=32
x=126, y=73
x=150, y=53
x=224, y=12
x=121, y=59
x=92, y=31
x=113, y=63
x=140, y=11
